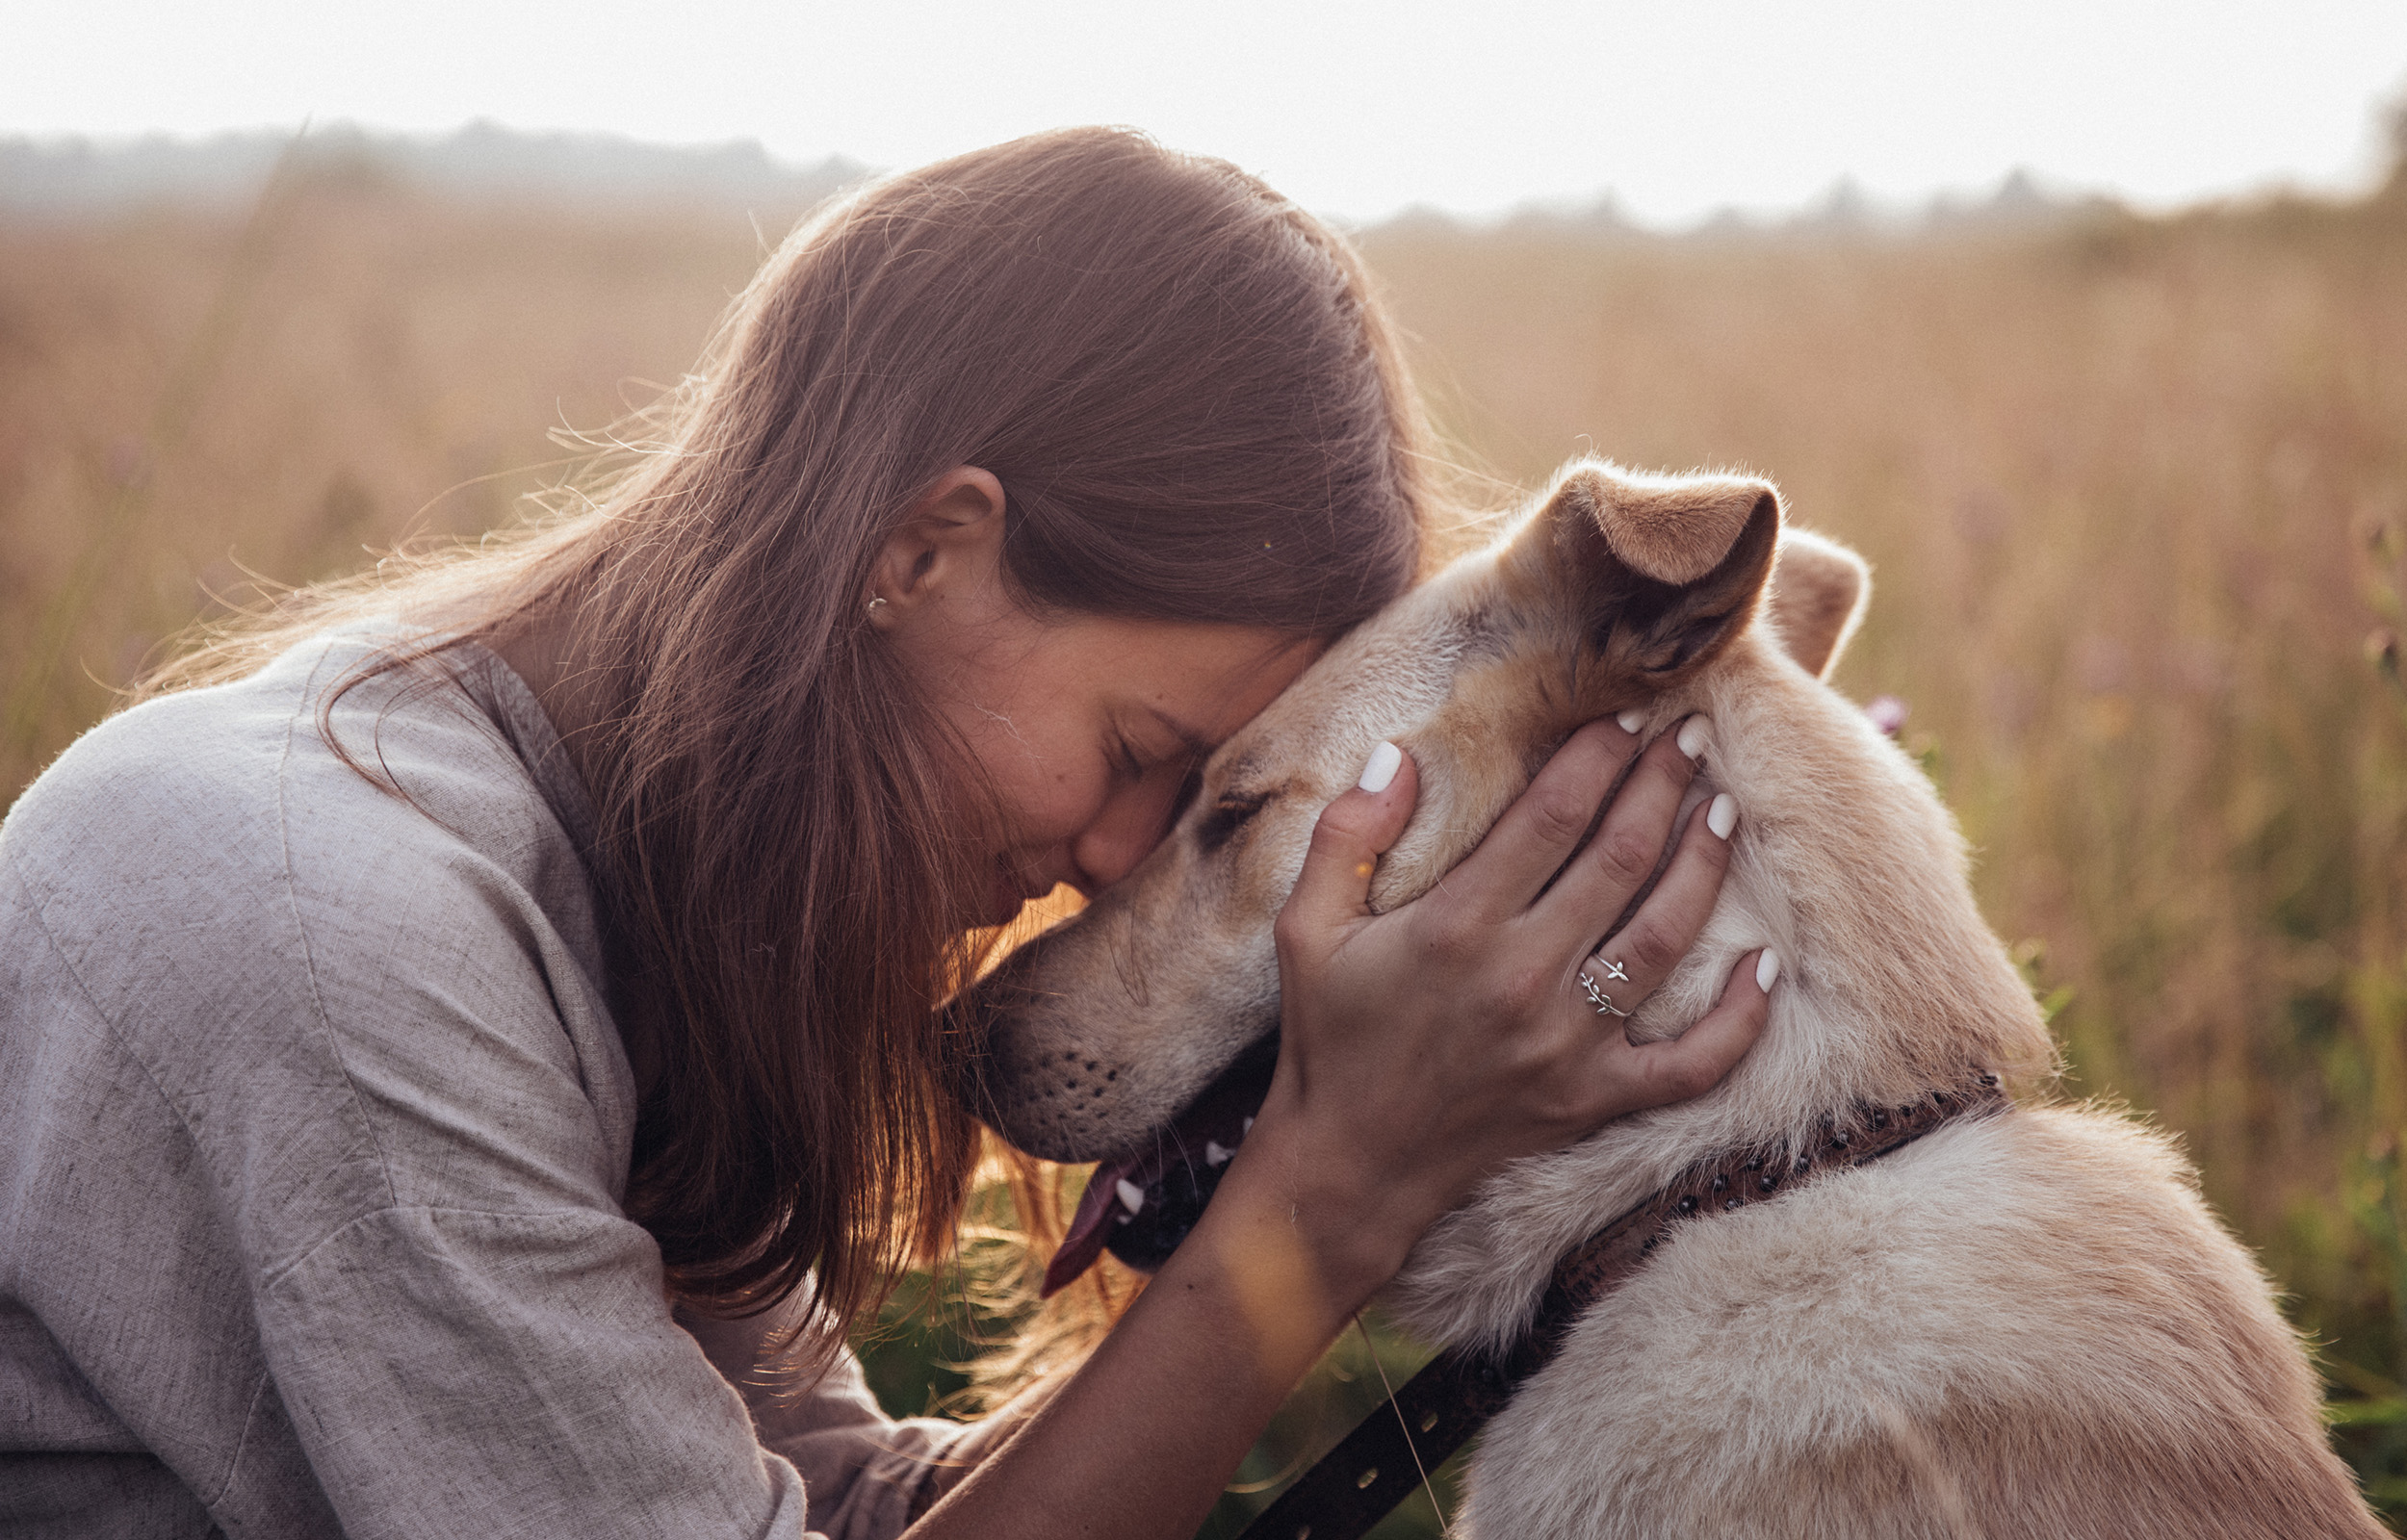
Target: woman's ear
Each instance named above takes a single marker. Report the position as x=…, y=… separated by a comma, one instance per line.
x=948, y=545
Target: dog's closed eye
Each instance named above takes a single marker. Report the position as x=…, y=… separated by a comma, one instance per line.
x=1231, y=813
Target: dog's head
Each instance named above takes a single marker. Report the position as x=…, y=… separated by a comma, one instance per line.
x=1671, y=595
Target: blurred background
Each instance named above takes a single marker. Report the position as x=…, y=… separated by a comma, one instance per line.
x=2087, y=327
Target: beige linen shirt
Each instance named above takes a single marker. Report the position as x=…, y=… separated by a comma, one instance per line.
x=313, y=1131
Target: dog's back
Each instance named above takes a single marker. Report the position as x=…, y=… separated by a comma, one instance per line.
x=2024, y=1325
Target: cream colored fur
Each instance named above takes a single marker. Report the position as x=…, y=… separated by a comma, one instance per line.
x=2021, y=1326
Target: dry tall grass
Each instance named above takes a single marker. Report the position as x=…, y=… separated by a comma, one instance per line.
x=2136, y=492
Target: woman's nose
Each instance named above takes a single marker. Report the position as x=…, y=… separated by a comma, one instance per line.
x=1130, y=823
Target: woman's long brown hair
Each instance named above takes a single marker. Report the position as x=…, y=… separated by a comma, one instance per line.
x=1195, y=414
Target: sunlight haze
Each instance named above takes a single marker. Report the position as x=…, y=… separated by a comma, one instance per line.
x=1357, y=110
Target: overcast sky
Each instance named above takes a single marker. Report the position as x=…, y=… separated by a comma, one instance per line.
x=1357, y=110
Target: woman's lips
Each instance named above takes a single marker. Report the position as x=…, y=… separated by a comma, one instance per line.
x=1007, y=889
x=1003, y=895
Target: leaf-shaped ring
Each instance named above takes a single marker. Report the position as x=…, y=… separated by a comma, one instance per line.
x=1598, y=997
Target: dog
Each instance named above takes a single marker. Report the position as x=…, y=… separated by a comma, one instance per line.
x=2026, y=1323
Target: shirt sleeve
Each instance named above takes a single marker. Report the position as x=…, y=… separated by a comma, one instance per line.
x=487, y=1356
x=453, y=1372
x=861, y=1468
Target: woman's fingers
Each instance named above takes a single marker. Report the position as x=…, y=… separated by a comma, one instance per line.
x=1633, y=962
x=1635, y=1075
x=1333, y=892
x=1612, y=868
x=1545, y=825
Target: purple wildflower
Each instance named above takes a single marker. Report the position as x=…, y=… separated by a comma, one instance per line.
x=1888, y=713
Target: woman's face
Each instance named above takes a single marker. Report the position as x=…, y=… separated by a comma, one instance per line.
x=1087, y=728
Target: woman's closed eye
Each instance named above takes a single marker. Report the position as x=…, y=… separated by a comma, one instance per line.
x=1125, y=759
x=1231, y=813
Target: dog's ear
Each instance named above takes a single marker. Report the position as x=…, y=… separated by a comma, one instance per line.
x=1667, y=568
x=1819, y=591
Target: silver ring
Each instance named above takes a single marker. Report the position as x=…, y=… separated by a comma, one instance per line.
x=1598, y=997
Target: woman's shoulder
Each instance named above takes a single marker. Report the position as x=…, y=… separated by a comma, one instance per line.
x=189, y=761
x=207, y=825
x=439, y=754
x=161, y=815
x=401, y=941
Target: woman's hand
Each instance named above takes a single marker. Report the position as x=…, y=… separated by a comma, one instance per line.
x=1425, y=1047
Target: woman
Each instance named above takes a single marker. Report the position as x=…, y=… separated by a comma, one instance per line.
x=441, y=1059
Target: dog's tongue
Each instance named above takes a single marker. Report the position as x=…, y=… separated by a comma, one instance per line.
x=1140, y=1205
x=1103, y=1208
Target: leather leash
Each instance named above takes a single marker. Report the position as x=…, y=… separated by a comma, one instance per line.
x=1437, y=1410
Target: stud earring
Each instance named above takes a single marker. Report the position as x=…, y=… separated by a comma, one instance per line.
x=874, y=603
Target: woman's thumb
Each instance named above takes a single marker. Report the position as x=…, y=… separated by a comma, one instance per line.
x=1334, y=887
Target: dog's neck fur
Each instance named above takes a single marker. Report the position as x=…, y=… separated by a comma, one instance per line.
x=1844, y=862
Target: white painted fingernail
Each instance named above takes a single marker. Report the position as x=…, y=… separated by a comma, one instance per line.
x=1631, y=720
x=1382, y=769
x=1694, y=734
x=1766, y=969
x=1722, y=816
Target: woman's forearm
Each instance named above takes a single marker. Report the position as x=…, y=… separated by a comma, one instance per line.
x=1141, y=1440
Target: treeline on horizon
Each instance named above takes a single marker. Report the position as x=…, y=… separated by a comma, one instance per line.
x=69, y=177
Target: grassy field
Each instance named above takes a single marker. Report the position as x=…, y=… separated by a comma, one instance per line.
x=2135, y=491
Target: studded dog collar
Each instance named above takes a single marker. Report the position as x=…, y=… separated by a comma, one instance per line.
x=1438, y=1411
